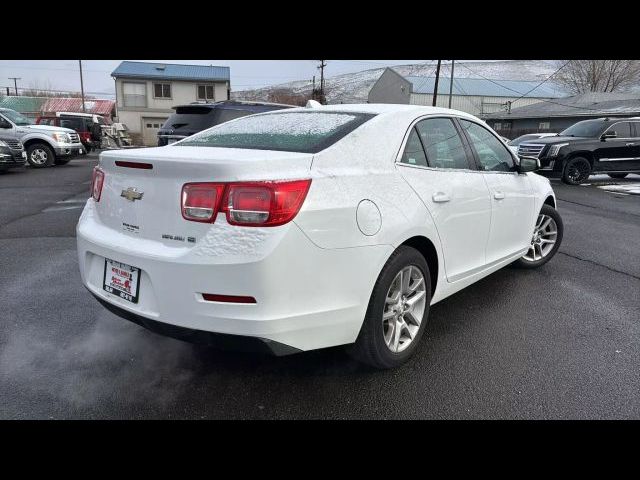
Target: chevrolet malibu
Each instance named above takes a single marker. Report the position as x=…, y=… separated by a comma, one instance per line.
x=312, y=227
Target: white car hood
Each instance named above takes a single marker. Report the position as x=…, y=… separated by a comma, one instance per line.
x=46, y=128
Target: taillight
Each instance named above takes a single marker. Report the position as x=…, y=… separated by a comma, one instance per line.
x=96, y=183
x=264, y=204
x=200, y=201
x=250, y=204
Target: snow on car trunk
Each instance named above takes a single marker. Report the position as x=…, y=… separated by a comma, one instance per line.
x=141, y=194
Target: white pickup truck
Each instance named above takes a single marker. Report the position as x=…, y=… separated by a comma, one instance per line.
x=45, y=145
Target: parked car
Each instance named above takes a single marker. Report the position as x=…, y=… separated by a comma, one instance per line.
x=603, y=145
x=12, y=154
x=312, y=227
x=45, y=145
x=198, y=116
x=513, y=144
x=86, y=125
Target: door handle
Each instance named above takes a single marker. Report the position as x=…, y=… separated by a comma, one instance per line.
x=440, y=197
x=498, y=195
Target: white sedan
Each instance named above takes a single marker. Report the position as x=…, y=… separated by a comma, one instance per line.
x=312, y=227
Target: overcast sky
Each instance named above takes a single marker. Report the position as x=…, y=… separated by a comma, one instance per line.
x=245, y=74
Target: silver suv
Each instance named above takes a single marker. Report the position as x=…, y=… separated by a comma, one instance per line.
x=45, y=145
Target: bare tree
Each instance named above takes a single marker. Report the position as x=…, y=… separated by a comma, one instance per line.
x=288, y=96
x=580, y=76
x=44, y=89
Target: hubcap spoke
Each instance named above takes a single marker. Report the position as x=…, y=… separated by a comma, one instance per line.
x=414, y=298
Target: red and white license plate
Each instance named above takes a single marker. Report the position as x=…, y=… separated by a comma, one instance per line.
x=122, y=280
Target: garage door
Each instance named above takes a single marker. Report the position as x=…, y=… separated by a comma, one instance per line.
x=150, y=127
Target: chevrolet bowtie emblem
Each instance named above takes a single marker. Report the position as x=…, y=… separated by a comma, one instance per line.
x=132, y=194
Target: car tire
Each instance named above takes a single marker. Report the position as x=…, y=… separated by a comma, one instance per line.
x=617, y=175
x=576, y=171
x=538, y=254
x=376, y=342
x=40, y=155
x=62, y=160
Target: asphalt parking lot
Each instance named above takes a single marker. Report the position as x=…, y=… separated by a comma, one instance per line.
x=562, y=341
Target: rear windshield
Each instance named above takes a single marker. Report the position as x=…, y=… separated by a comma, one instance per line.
x=198, y=118
x=305, y=132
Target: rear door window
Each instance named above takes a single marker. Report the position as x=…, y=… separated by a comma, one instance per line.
x=622, y=129
x=442, y=143
x=305, y=132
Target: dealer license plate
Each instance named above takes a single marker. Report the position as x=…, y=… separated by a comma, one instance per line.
x=122, y=280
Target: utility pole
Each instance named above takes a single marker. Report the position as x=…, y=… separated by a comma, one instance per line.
x=451, y=82
x=82, y=86
x=508, y=104
x=15, y=82
x=435, y=89
x=321, y=67
x=314, y=84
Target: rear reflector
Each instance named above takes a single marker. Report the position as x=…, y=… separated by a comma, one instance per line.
x=144, y=166
x=211, y=297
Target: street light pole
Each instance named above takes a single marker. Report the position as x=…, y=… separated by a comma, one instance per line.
x=82, y=87
x=435, y=89
x=15, y=83
x=451, y=82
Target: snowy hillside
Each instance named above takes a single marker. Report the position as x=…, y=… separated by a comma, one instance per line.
x=354, y=87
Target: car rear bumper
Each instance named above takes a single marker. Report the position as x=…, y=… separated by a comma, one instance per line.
x=306, y=297
x=218, y=340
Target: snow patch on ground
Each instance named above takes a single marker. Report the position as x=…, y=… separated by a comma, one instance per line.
x=629, y=188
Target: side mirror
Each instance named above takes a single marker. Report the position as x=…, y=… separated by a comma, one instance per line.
x=609, y=134
x=4, y=123
x=528, y=164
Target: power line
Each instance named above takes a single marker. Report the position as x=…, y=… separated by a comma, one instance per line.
x=59, y=91
x=543, y=82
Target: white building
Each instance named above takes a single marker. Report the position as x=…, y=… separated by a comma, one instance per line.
x=145, y=92
x=477, y=96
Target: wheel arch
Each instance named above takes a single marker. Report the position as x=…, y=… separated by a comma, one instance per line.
x=27, y=143
x=581, y=153
x=550, y=201
x=428, y=250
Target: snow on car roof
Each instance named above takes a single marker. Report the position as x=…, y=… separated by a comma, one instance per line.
x=380, y=108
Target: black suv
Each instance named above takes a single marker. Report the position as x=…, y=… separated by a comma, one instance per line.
x=197, y=116
x=603, y=145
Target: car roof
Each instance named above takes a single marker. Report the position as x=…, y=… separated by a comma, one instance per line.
x=234, y=104
x=390, y=109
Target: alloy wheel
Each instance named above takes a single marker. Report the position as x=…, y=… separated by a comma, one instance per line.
x=543, y=240
x=404, y=308
x=39, y=156
x=578, y=171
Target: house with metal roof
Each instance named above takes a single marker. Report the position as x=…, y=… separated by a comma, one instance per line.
x=557, y=114
x=105, y=108
x=478, y=96
x=146, y=93
x=30, y=107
